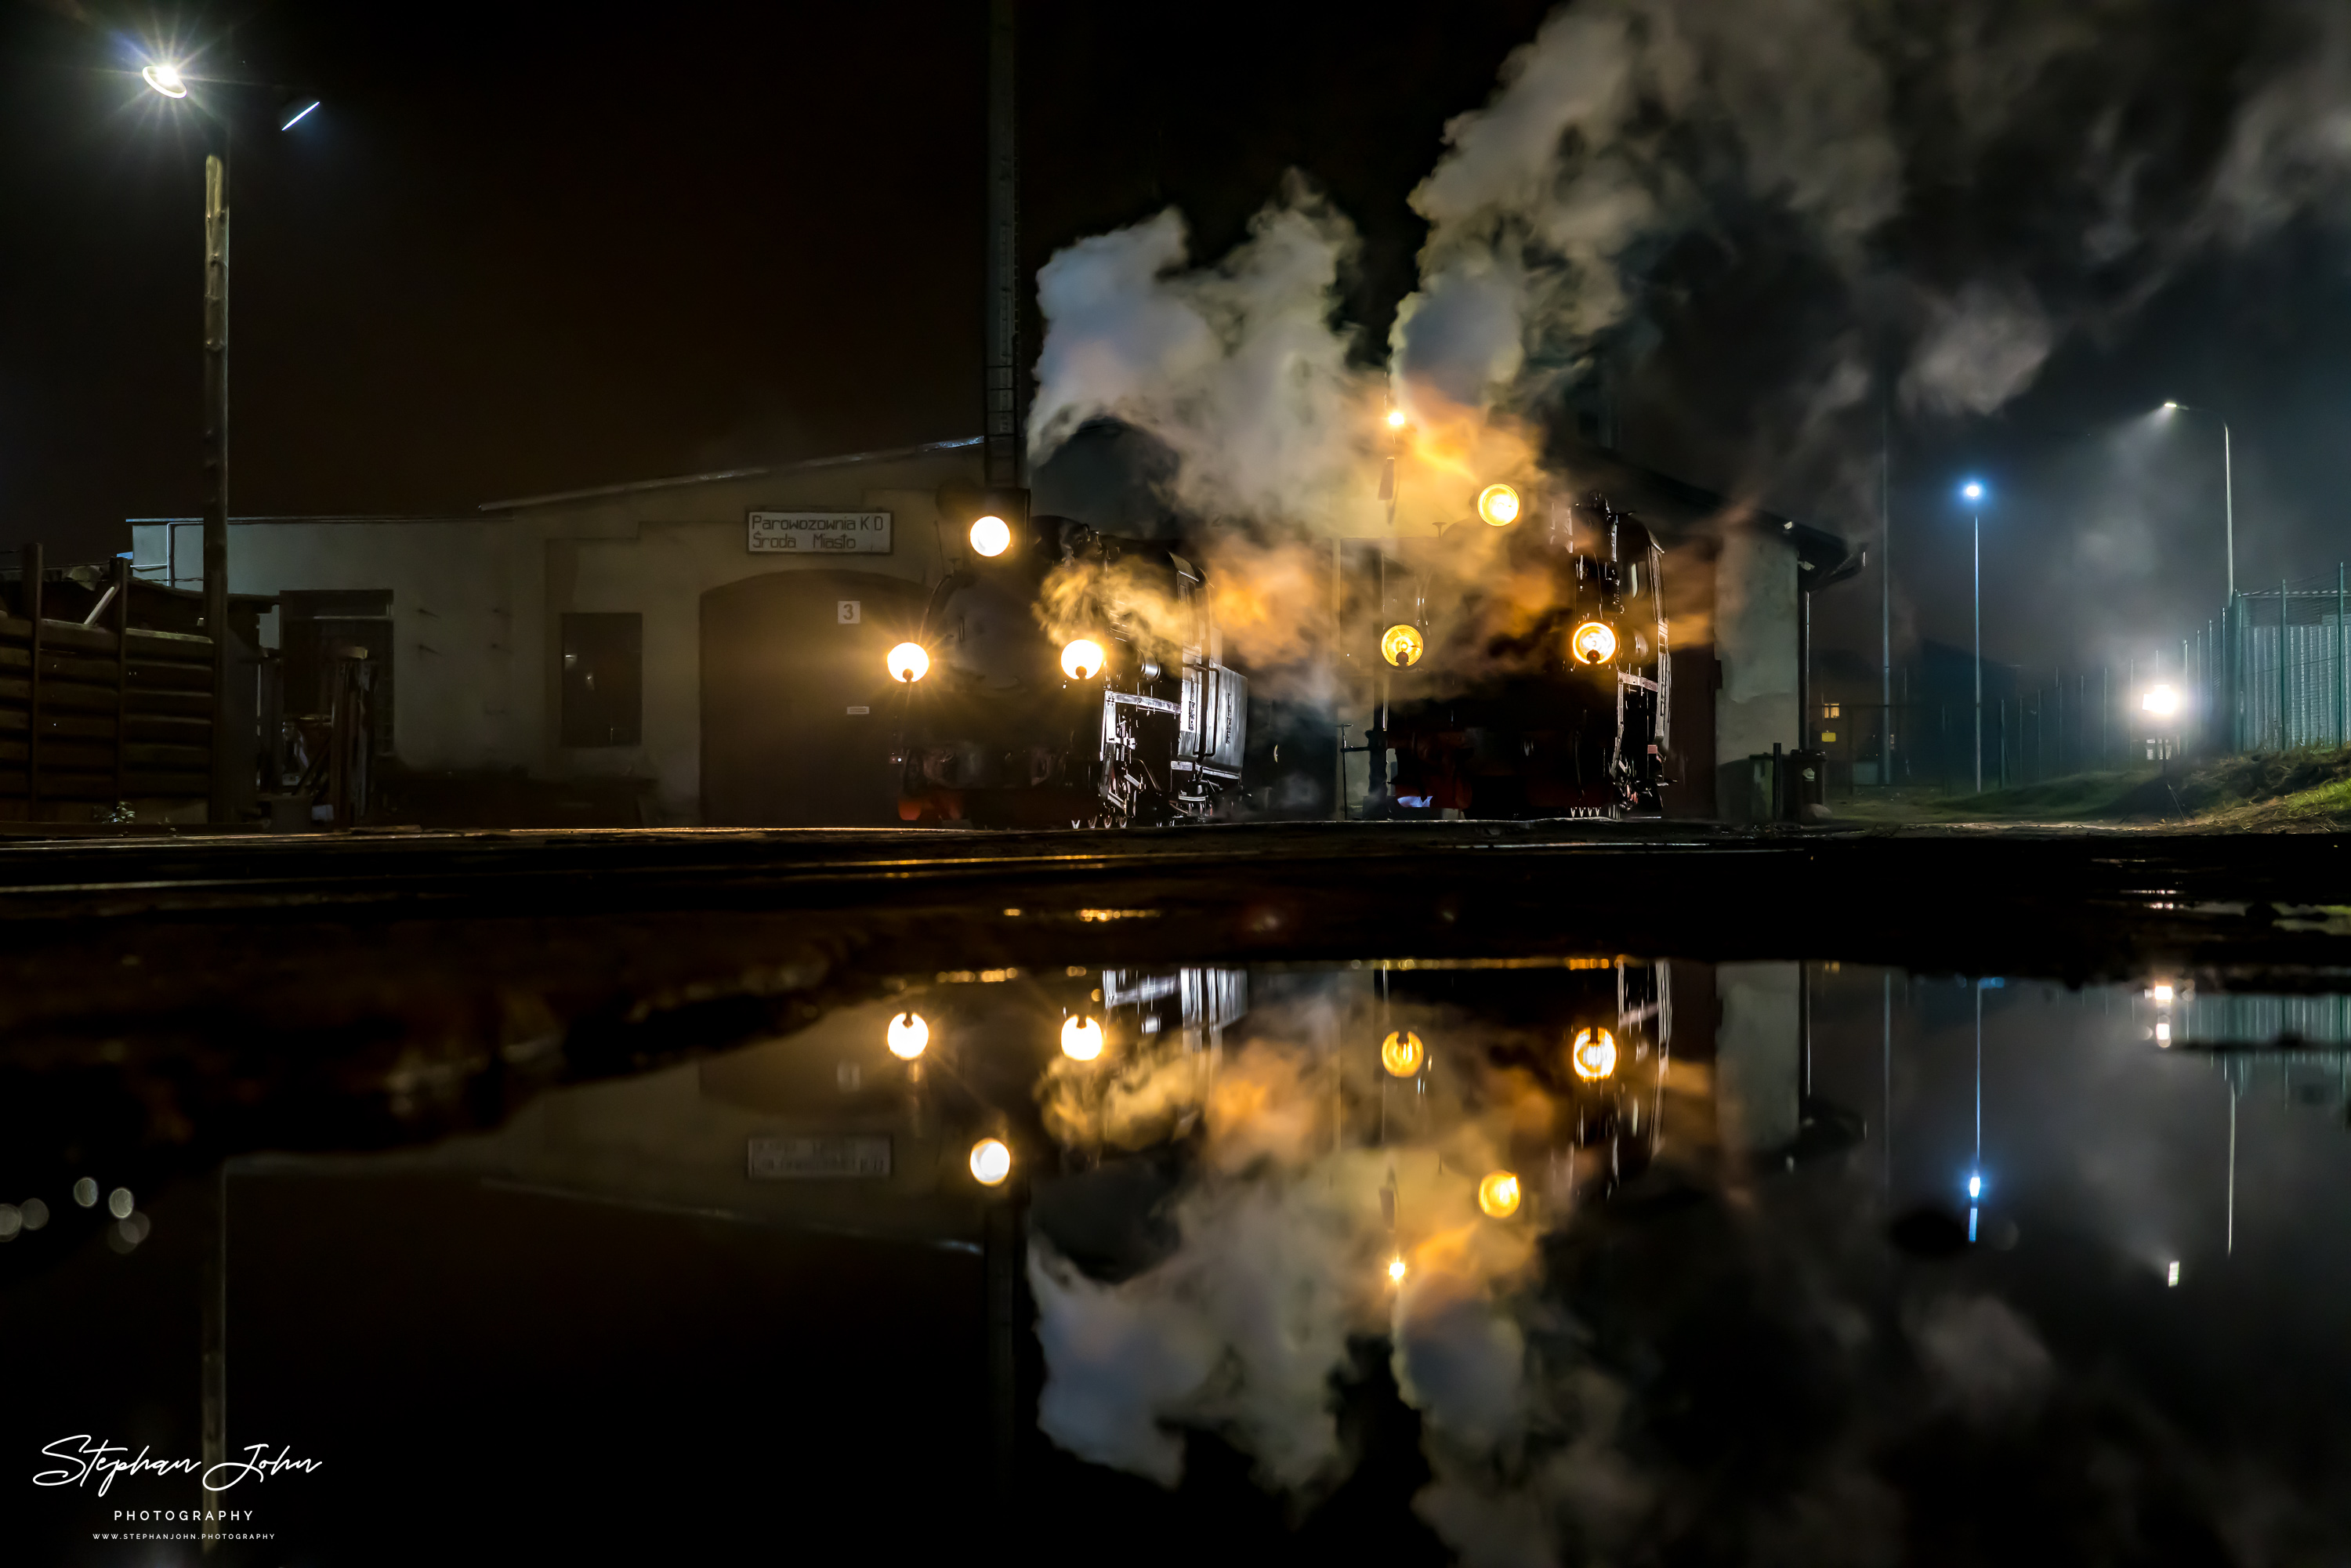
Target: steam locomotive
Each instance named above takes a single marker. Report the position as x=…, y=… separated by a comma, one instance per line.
x=1524, y=668
x=1131, y=719
x=1508, y=667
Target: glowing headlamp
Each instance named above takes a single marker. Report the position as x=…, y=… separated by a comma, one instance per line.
x=908, y=663
x=1081, y=1039
x=991, y=536
x=991, y=1162
x=1498, y=1194
x=908, y=1035
x=1402, y=645
x=1082, y=660
x=1499, y=504
x=1594, y=642
x=1593, y=1054
x=1400, y=1053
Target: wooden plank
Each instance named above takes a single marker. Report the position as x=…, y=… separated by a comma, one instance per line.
x=100, y=640
x=88, y=756
x=100, y=726
x=19, y=693
x=85, y=785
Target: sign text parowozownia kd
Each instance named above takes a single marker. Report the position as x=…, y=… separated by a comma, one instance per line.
x=819, y=533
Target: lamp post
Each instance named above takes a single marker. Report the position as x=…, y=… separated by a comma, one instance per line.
x=2228, y=489
x=1973, y=492
x=171, y=82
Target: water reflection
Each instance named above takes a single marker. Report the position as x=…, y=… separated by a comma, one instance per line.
x=1589, y=1259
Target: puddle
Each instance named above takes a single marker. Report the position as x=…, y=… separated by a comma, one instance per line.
x=1562, y=1259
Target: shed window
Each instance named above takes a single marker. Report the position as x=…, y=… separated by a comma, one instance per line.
x=603, y=679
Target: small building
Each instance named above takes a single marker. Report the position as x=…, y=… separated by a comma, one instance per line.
x=710, y=648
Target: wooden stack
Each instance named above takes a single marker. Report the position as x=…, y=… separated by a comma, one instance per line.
x=101, y=713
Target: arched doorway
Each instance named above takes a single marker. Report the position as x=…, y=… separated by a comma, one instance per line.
x=796, y=702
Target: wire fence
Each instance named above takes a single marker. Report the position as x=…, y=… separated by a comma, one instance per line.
x=2273, y=673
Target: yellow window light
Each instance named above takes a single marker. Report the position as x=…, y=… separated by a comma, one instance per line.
x=991, y=536
x=991, y=1162
x=1081, y=1039
x=908, y=1035
x=1593, y=1054
x=1401, y=1053
x=1594, y=642
x=908, y=663
x=1499, y=504
x=1498, y=1194
x=1402, y=645
x=1082, y=660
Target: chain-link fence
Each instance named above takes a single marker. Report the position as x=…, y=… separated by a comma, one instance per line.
x=2272, y=673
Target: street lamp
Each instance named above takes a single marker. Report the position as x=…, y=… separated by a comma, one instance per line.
x=1972, y=492
x=2227, y=488
x=170, y=80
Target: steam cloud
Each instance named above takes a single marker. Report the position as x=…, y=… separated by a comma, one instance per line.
x=1626, y=129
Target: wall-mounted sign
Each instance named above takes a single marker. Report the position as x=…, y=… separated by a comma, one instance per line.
x=819, y=533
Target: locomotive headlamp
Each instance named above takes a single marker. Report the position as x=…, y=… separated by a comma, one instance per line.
x=1498, y=1194
x=1402, y=645
x=908, y=663
x=1080, y=1039
x=1400, y=1053
x=1395, y=419
x=1594, y=642
x=1593, y=1054
x=991, y=1162
x=1499, y=504
x=1082, y=660
x=991, y=536
x=908, y=1035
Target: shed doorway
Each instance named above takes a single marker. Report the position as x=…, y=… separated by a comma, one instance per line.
x=797, y=705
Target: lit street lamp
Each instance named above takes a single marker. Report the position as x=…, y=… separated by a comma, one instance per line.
x=171, y=80
x=1972, y=492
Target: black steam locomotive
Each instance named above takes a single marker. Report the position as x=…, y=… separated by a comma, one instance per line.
x=1114, y=708
x=1521, y=667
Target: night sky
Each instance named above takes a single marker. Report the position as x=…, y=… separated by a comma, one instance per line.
x=529, y=247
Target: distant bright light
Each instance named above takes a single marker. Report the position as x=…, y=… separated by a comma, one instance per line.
x=2160, y=701
x=1395, y=419
x=1975, y=1187
x=1973, y=490
x=1080, y=1039
x=1498, y=1194
x=1593, y=1054
x=1395, y=1270
x=297, y=111
x=2162, y=1033
x=908, y=663
x=2175, y=1267
x=2171, y=1275
x=908, y=1035
x=2164, y=994
x=165, y=79
x=991, y=1162
x=1499, y=504
x=1082, y=659
x=991, y=536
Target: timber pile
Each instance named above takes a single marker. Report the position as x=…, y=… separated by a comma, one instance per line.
x=105, y=713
